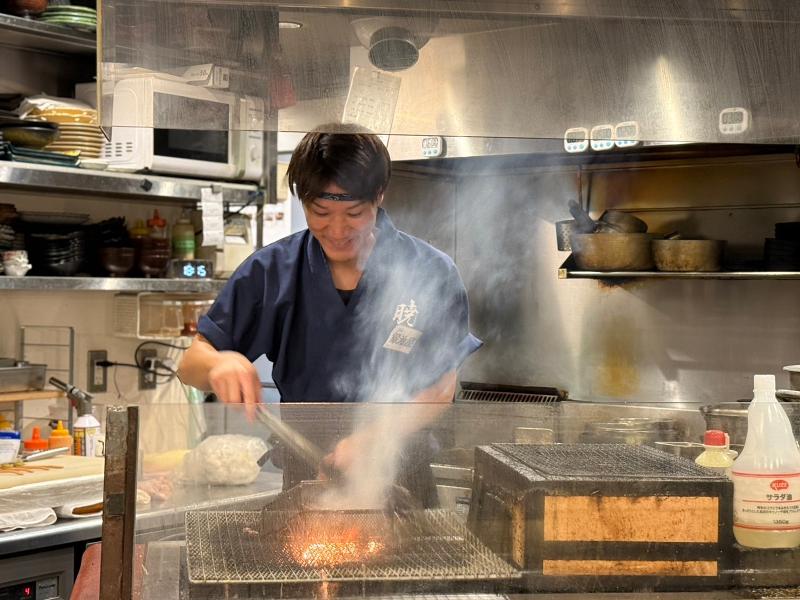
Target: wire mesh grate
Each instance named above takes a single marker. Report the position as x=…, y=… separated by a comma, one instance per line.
x=228, y=547
x=603, y=460
x=501, y=396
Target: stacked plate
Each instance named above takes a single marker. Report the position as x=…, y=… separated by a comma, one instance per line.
x=78, y=135
x=77, y=17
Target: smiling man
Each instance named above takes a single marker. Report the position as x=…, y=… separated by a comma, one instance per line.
x=349, y=310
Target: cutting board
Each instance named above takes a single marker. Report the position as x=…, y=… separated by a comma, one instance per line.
x=71, y=467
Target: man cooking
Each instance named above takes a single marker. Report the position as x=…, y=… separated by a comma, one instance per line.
x=349, y=310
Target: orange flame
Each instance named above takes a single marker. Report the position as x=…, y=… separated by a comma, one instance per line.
x=334, y=549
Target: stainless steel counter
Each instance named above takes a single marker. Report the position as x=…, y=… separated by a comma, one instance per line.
x=152, y=523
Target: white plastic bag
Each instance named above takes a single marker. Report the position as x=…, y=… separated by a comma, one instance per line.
x=225, y=460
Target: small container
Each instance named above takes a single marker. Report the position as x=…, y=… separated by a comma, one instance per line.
x=717, y=455
x=158, y=226
x=85, y=433
x=36, y=443
x=9, y=447
x=60, y=438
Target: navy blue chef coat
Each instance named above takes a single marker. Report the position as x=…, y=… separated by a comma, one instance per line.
x=282, y=302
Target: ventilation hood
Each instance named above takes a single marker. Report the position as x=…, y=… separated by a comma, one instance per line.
x=477, y=71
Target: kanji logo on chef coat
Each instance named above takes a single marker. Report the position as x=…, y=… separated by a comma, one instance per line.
x=404, y=337
x=406, y=314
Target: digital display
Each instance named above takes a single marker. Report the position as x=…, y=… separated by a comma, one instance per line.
x=575, y=139
x=19, y=591
x=602, y=134
x=191, y=269
x=732, y=118
x=431, y=143
x=626, y=132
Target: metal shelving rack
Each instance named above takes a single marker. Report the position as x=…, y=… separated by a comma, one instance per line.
x=35, y=35
x=106, y=183
x=569, y=271
x=111, y=284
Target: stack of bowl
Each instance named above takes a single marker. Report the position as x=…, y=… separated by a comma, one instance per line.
x=58, y=253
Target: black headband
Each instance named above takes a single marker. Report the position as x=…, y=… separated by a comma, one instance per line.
x=339, y=197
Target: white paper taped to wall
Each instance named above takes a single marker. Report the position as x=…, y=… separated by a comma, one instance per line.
x=371, y=100
x=213, y=218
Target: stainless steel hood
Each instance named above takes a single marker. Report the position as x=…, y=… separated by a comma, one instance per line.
x=485, y=69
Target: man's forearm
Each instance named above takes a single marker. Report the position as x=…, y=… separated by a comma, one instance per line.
x=196, y=363
x=431, y=403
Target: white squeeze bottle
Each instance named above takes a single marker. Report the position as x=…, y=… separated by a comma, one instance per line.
x=766, y=476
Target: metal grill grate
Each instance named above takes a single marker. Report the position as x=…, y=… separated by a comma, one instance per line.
x=603, y=460
x=227, y=547
x=497, y=396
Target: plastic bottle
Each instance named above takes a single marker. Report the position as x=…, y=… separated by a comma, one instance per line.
x=157, y=225
x=84, y=434
x=716, y=456
x=60, y=438
x=36, y=442
x=766, y=476
x=9, y=447
x=183, y=238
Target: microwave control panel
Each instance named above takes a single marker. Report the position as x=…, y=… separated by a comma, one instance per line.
x=39, y=589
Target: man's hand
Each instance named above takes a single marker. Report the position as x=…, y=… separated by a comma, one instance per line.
x=233, y=378
x=347, y=451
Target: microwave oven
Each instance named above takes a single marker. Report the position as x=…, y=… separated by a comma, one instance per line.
x=169, y=126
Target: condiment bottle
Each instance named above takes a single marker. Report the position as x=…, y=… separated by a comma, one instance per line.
x=60, y=438
x=716, y=456
x=36, y=442
x=9, y=447
x=157, y=225
x=84, y=433
x=766, y=476
x=183, y=238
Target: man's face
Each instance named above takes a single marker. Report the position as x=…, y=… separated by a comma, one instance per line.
x=342, y=228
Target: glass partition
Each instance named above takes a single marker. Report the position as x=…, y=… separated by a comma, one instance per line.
x=478, y=497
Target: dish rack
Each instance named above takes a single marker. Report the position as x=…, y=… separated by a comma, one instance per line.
x=158, y=315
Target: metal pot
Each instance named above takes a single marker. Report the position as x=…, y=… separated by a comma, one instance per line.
x=612, y=251
x=564, y=231
x=731, y=417
x=688, y=255
x=794, y=376
x=621, y=222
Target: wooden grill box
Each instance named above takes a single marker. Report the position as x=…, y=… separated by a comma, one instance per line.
x=603, y=517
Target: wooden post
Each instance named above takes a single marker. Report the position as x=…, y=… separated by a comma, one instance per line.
x=119, y=503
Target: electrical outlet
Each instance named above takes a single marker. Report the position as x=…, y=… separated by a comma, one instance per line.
x=96, y=376
x=147, y=379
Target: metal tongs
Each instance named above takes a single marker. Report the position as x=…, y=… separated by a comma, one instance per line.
x=299, y=445
x=400, y=500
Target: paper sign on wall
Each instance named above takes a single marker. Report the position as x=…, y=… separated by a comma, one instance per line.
x=213, y=217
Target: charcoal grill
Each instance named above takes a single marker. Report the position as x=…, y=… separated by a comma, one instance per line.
x=229, y=547
x=602, y=517
x=604, y=460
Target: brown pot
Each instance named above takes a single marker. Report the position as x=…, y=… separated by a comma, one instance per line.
x=612, y=251
x=688, y=255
